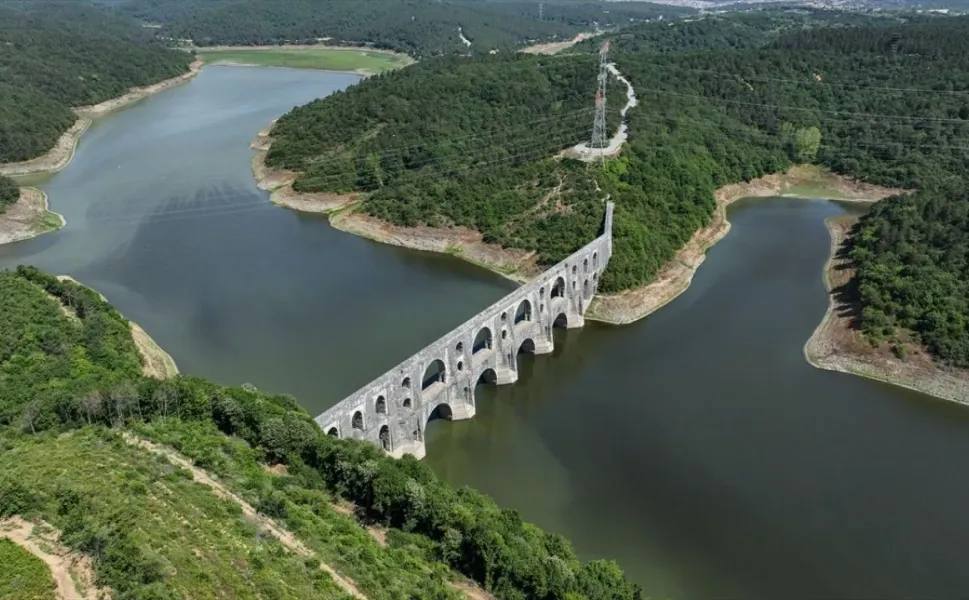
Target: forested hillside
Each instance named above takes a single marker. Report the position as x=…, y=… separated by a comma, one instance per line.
x=420, y=28
x=894, y=115
x=60, y=55
x=70, y=382
x=732, y=31
x=912, y=255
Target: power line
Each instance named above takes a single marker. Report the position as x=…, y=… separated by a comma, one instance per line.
x=813, y=82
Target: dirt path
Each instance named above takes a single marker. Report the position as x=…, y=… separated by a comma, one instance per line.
x=62, y=153
x=583, y=151
x=72, y=572
x=674, y=278
x=554, y=47
x=285, y=537
x=28, y=217
x=838, y=345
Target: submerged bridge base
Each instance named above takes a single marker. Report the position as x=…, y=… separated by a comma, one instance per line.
x=393, y=410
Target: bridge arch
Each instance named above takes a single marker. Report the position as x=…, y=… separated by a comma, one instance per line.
x=435, y=372
x=441, y=411
x=357, y=421
x=405, y=383
x=487, y=376
x=380, y=405
x=585, y=288
x=384, y=437
x=482, y=341
x=585, y=265
x=524, y=312
x=406, y=403
x=561, y=320
x=595, y=260
x=558, y=288
x=333, y=432
x=527, y=346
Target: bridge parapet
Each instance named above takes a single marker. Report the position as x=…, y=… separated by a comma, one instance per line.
x=393, y=409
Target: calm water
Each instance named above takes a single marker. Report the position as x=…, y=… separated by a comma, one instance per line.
x=696, y=447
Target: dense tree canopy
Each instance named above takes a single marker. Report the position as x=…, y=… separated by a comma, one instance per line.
x=731, y=31
x=432, y=148
x=60, y=371
x=60, y=55
x=9, y=193
x=420, y=28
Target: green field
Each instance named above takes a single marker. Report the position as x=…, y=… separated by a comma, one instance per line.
x=23, y=576
x=310, y=58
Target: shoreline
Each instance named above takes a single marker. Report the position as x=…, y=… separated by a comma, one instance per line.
x=29, y=217
x=63, y=151
x=468, y=245
x=676, y=276
x=157, y=363
x=836, y=346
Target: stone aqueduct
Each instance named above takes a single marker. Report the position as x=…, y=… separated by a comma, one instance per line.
x=393, y=410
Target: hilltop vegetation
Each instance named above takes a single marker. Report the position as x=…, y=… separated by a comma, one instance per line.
x=894, y=114
x=417, y=27
x=730, y=31
x=70, y=383
x=60, y=55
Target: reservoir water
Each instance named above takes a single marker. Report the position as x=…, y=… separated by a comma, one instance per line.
x=697, y=447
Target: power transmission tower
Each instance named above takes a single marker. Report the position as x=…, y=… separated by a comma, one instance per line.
x=599, y=124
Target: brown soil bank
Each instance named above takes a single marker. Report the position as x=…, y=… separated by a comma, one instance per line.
x=28, y=217
x=62, y=153
x=837, y=345
x=674, y=278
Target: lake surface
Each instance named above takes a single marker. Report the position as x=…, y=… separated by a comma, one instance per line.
x=697, y=447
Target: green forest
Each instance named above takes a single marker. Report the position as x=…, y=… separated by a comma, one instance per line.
x=469, y=144
x=420, y=28
x=9, y=193
x=61, y=55
x=741, y=30
x=71, y=380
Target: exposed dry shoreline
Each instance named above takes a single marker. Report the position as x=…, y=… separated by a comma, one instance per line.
x=467, y=244
x=28, y=217
x=156, y=362
x=62, y=153
x=836, y=345
x=674, y=278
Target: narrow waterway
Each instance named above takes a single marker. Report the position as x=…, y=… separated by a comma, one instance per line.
x=697, y=447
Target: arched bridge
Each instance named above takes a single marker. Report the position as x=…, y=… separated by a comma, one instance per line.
x=393, y=410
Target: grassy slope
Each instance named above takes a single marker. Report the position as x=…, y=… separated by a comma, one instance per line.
x=195, y=540
x=310, y=58
x=23, y=576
